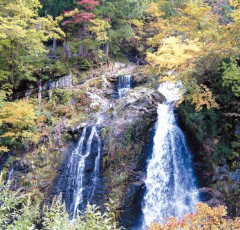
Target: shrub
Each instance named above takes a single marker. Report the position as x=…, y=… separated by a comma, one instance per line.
x=18, y=124
x=205, y=218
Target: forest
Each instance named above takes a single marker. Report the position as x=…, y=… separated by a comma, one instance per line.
x=80, y=103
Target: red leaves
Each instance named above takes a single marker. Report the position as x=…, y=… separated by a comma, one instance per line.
x=67, y=22
x=88, y=4
x=85, y=16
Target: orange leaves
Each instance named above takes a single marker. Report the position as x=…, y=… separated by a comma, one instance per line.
x=204, y=219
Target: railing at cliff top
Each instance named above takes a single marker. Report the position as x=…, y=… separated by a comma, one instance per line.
x=112, y=69
x=62, y=82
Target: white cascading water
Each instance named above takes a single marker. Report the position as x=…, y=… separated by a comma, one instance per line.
x=96, y=171
x=170, y=184
x=124, y=84
x=10, y=175
x=75, y=172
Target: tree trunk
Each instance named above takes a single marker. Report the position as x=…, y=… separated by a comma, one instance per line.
x=54, y=47
x=85, y=51
x=106, y=49
x=81, y=47
x=95, y=54
x=65, y=48
x=11, y=77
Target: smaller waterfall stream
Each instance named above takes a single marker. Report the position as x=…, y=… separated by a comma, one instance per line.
x=10, y=175
x=170, y=185
x=124, y=84
x=77, y=184
x=96, y=172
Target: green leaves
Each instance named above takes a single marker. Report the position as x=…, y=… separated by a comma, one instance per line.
x=15, y=210
x=19, y=213
x=231, y=77
x=56, y=218
x=22, y=33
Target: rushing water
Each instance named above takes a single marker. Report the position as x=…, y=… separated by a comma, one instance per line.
x=78, y=182
x=124, y=84
x=170, y=184
x=10, y=175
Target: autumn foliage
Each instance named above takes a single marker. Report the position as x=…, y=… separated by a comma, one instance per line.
x=78, y=15
x=18, y=124
x=206, y=218
x=88, y=4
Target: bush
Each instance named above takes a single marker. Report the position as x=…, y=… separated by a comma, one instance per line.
x=18, y=124
x=81, y=63
x=205, y=218
x=18, y=213
x=50, y=69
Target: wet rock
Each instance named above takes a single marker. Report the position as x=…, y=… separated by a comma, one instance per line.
x=76, y=129
x=235, y=176
x=131, y=204
x=237, y=128
x=211, y=197
x=223, y=169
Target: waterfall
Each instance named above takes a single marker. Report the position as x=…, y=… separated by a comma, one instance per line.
x=170, y=184
x=10, y=175
x=77, y=184
x=96, y=171
x=124, y=84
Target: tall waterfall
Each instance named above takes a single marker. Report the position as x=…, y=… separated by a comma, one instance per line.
x=170, y=184
x=124, y=84
x=78, y=182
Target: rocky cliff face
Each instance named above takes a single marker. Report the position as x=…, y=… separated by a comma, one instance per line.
x=125, y=149
x=124, y=126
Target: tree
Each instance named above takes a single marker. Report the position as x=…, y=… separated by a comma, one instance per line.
x=193, y=46
x=22, y=33
x=18, y=124
x=231, y=77
x=81, y=17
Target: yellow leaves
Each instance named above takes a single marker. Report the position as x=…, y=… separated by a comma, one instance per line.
x=138, y=23
x=202, y=96
x=49, y=28
x=175, y=53
x=19, y=122
x=8, y=134
x=4, y=149
x=99, y=27
x=235, y=3
x=154, y=9
x=27, y=9
x=24, y=30
x=20, y=114
x=205, y=218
